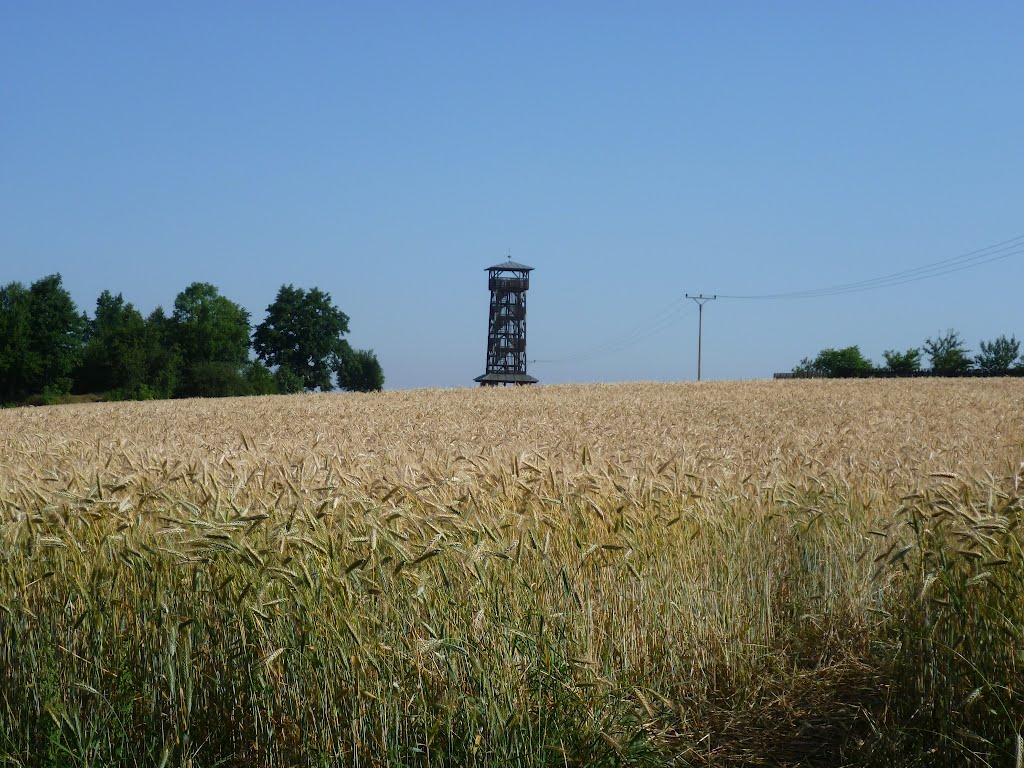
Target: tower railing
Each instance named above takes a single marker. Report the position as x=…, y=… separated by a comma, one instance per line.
x=512, y=284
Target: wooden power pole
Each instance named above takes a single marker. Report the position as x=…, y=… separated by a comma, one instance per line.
x=701, y=300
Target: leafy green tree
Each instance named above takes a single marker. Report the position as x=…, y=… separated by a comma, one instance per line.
x=19, y=364
x=57, y=334
x=210, y=334
x=115, y=356
x=42, y=336
x=208, y=327
x=948, y=353
x=163, y=358
x=903, y=362
x=359, y=370
x=998, y=356
x=40, y=339
x=836, y=363
x=303, y=333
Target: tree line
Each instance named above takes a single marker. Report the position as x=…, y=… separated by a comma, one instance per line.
x=206, y=346
x=948, y=355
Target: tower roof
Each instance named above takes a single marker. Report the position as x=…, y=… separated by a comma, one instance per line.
x=510, y=266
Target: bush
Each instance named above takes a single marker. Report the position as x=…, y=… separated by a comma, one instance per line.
x=948, y=353
x=903, y=362
x=259, y=378
x=998, y=356
x=836, y=363
x=58, y=392
x=213, y=380
x=287, y=381
x=359, y=370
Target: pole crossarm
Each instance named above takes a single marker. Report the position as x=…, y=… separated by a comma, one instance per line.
x=700, y=300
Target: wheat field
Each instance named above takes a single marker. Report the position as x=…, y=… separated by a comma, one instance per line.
x=757, y=573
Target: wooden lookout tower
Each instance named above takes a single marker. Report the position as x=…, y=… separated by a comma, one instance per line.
x=506, y=328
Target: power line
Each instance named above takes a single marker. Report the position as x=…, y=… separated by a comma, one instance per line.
x=657, y=323
x=1004, y=250
x=665, y=317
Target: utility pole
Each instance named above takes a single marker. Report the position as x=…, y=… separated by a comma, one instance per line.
x=701, y=301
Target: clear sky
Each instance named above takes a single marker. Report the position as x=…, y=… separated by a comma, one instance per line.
x=388, y=152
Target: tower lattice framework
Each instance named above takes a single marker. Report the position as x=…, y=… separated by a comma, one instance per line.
x=506, y=326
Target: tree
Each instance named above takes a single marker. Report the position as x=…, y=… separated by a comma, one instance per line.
x=836, y=363
x=210, y=333
x=40, y=338
x=115, y=355
x=208, y=327
x=903, y=362
x=19, y=365
x=56, y=335
x=359, y=370
x=163, y=358
x=997, y=356
x=303, y=333
x=948, y=353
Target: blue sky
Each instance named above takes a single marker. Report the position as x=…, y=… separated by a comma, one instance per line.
x=389, y=152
